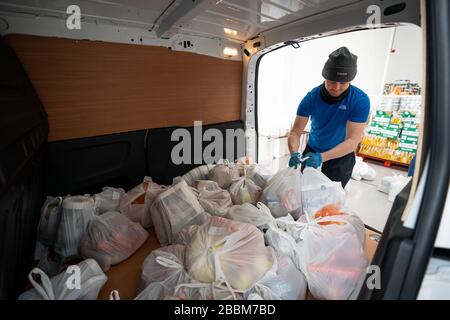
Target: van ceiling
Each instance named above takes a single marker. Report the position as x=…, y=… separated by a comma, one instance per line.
x=206, y=18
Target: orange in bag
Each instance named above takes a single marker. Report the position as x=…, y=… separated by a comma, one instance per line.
x=329, y=211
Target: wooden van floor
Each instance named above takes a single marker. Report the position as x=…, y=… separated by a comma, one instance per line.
x=125, y=277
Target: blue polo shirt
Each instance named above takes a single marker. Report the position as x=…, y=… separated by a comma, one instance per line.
x=329, y=121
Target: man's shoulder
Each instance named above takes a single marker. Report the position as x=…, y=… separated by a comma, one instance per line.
x=359, y=93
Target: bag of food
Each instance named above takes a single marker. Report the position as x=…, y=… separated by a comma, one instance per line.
x=77, y=212
x=212, y=198
x=111, y=238
x=135, y=204
x=49, y=220
x=331, y=253
x=282, y=194
x=282, y=282
x=165, y=265
x=244, y=190
x=199, y=173
x=223, y=174
x=63, y=286
x=258, y=215
x=108, y=199
x=175, y=209
x=229, y=252
x=317, y=191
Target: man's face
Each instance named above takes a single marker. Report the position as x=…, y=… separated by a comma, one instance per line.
x=335, y=89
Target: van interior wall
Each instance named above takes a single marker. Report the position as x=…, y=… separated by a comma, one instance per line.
x=113, y=107
x=92, y=88
x=23, y=137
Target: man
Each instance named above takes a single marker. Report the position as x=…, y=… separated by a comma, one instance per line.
x=339, y=113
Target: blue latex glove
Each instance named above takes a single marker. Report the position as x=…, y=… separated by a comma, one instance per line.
x=294, y=161
x=314, y=160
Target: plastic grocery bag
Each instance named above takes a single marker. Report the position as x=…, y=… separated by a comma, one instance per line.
x=111, y=238
x=135, y=204
x=199, y=173
x=223, y=174
x=362, y=170
x=175, y=209
x=258, y=215
x=244, y=190
x=318, y=191
x=165, y=265
x=282, y=282
x=331, y=253
x=212, y=198
x=184, y=236
x=108, y=199
x=282, y=194
x=282, y=243
x=47, y=260
x=397, y=186
x=63, y=286
x=49, y=220
x=76, y=213
x=229, y=252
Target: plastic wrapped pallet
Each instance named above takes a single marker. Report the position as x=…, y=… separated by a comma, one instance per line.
x=63, y=286
x=282, y=194
x=317, y=191
x=111, y=238
x=136, y=203
x=258, y=215
x=108, y=199
x=175, y=209
x=212, y=198
x=49, y=220
x=77, y=212
x=244, y=190
x=199, y=173
x=228, y=252
x=282, y=282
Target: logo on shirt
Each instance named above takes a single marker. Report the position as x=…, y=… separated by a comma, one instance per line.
x=343, y=107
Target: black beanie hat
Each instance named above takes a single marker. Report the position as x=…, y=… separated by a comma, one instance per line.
x=341, y=66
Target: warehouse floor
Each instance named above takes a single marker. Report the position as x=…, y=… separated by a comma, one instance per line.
x=371, y=205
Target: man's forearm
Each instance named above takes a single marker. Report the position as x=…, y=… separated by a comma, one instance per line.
x=340, y=150
x=293, y=142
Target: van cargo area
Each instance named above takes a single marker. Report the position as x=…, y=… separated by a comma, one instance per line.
x=221, y=150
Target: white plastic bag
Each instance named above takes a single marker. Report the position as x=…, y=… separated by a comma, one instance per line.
x=61, y=287
x=282, y=282
x=223, y=174
x=135, y=204
x=46, y=259
x=244, y=190
x=49, y=220
x=175, y=209
x=111, y=238
x=362, y=170
x=258, y=215
x=76, y=213
x=165, y=265
x=331, y=254
x=397, y=186
x=259, y=174
x=282, y=194
x=199, y=173
x=108, y=199
x=212, y=198
x=229, y=252
x=184, y=236
x=318, y=191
